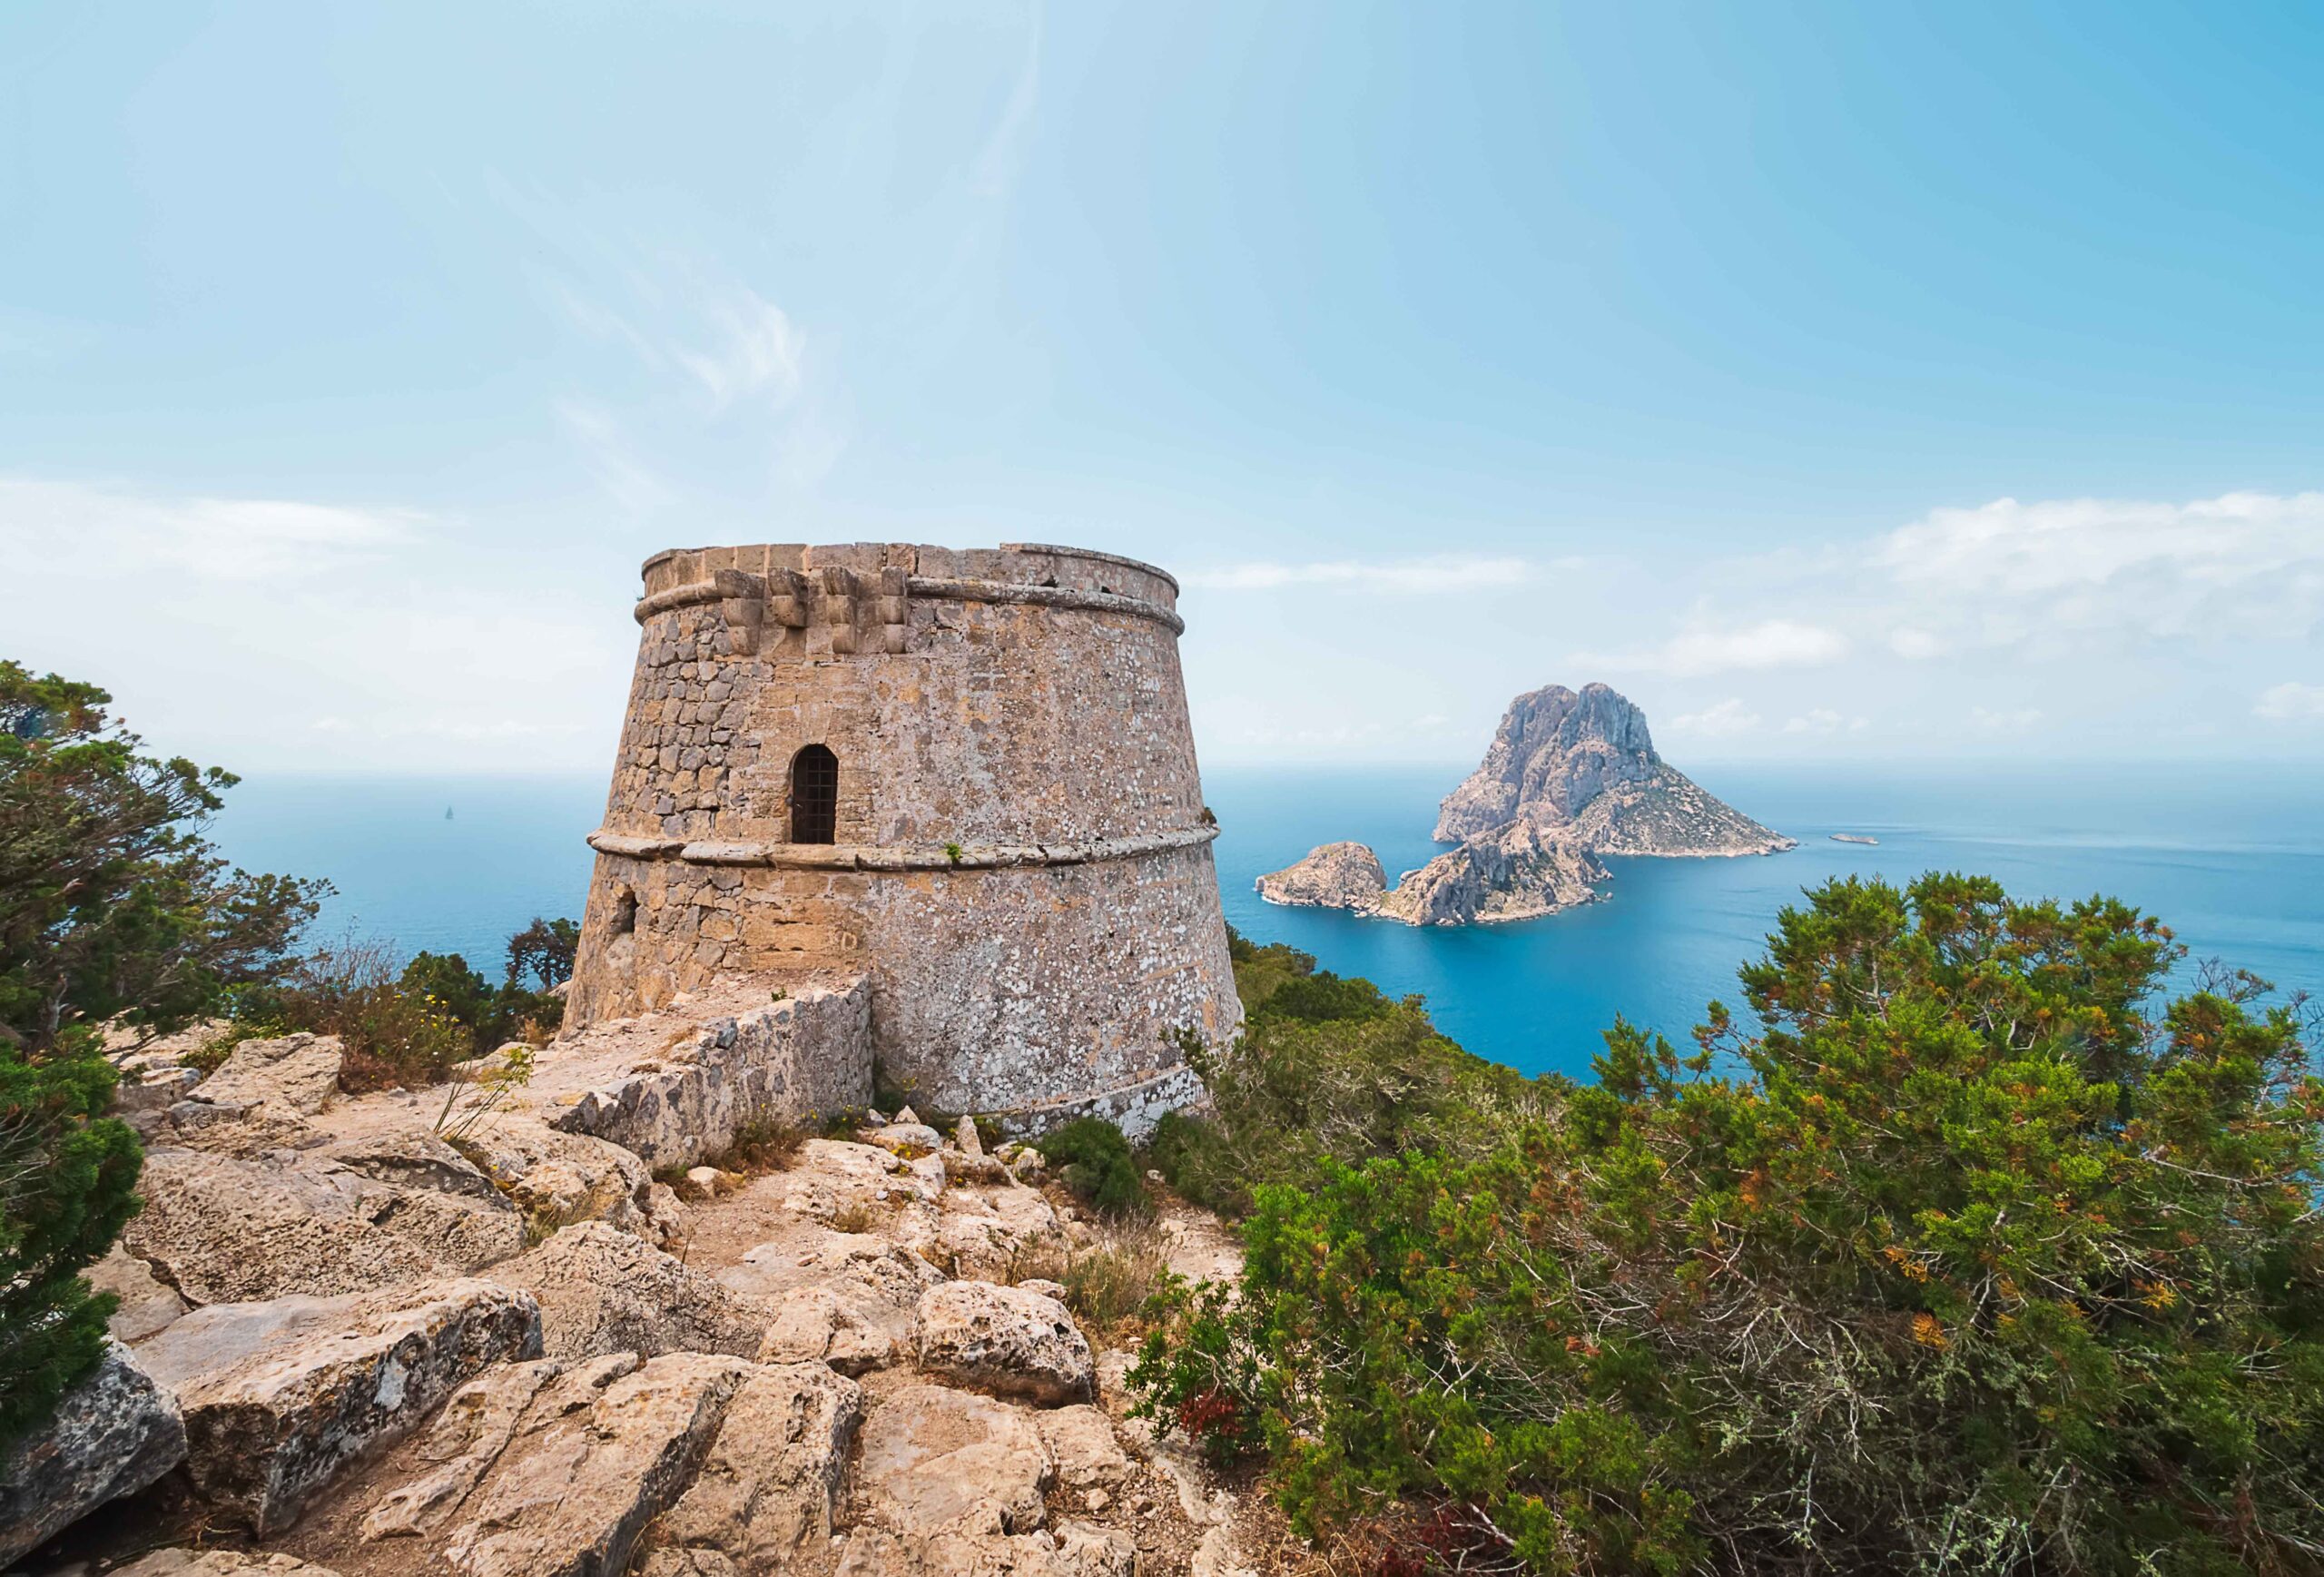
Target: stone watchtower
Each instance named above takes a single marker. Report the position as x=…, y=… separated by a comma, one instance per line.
x=965, y=776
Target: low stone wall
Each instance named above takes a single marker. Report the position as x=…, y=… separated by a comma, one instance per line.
x=807, y=1055
x=1135, y=1109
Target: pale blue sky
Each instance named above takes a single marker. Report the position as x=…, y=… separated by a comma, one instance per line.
x=351, y=358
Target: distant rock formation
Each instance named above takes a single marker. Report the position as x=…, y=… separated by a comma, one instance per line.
x=1512, y=873
x=1585, y=765
x=1334, y=876
x=1570, y=776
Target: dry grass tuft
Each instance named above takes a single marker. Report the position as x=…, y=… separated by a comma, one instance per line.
x=859, y=1216
x=1106, y=1281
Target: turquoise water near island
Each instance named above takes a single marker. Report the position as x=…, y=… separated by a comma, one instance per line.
x=2232, y=858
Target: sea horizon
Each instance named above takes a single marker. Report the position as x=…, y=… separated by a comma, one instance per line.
x=2228, y=854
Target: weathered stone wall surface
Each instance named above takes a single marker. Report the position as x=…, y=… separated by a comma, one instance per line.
x=808, y=1055
x=1022, y=863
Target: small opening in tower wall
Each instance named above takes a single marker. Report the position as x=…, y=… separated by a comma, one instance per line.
x=625, y=915
x=814, y=796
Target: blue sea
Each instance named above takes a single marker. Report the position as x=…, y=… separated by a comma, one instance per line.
x=2232, y=858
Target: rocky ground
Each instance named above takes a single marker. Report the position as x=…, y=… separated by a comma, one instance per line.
x=443, y=1330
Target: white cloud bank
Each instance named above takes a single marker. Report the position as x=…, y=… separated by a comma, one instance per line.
x=2044, y=579
x=267, y=632
x=2291, y=701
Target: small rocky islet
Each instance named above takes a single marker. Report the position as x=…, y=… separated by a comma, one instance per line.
x=1570, y=775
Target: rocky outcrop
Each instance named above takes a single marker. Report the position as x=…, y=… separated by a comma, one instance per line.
x=601, y=1291
x=1334, y=876
x=1569, y=777
x=1007, y=1340
x=597, y=1453
x=689, y=1417
x=113, y=1434
x=144, y=1304
x=558, y=1179
x=301, y=1071
x=836, y=1176
x=818, y=1325
x=277, y=1403
x=770, y=1483
x=220, y=1228
x=933, y=1455
x=1514, y=872
x=219, y=1563
x=1583, y=765
x=678, y=1102
x=1081, y=1442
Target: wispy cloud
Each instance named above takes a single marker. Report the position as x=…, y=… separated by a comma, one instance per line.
x=1724, y=720
x=100, y=526
x=1708, y=648
x=1822, y=720
x=2291, y=701
x=729, y=341
x=1438, y=573
x=606, y=450
x=713, y=381
x=2009, y=720
x=995, y=171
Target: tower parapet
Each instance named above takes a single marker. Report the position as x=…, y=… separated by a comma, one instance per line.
x=966, y=774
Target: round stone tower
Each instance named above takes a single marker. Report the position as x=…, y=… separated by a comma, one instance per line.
x=967, y=775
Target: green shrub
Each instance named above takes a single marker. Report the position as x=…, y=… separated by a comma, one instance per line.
x=392, y=1035
x=543, y=953
x=1967, y=1255
x=66, y=1177
x=1093, y=1159
x=1327, y=1067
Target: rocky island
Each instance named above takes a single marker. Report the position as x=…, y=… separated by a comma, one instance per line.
x=1334, y=876
x=1570, y=775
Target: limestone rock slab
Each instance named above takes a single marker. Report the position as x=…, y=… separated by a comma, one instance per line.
x=932, y=1456
x=817, y=1325
x=113, y=1433
x=219, y=1563
x=1006, y=1340
x=602, y=1291
x=590, y=1466
x=560, y=1179
x=770, y=1480
x=830, y=1175
x=1081, y=1440
x=145, y=1303
x=266, y=1431
x=1071, y=1549
x=301, y=1071
x=469, y=1436
x=223, y=1229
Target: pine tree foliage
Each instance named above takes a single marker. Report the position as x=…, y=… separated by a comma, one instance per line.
x=113, y=907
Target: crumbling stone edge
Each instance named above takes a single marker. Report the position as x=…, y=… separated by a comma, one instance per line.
x=899, y=857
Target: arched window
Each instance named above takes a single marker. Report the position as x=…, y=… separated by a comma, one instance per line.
x=814, y=796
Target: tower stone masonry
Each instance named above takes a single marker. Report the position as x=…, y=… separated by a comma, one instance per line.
x=966, y=777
